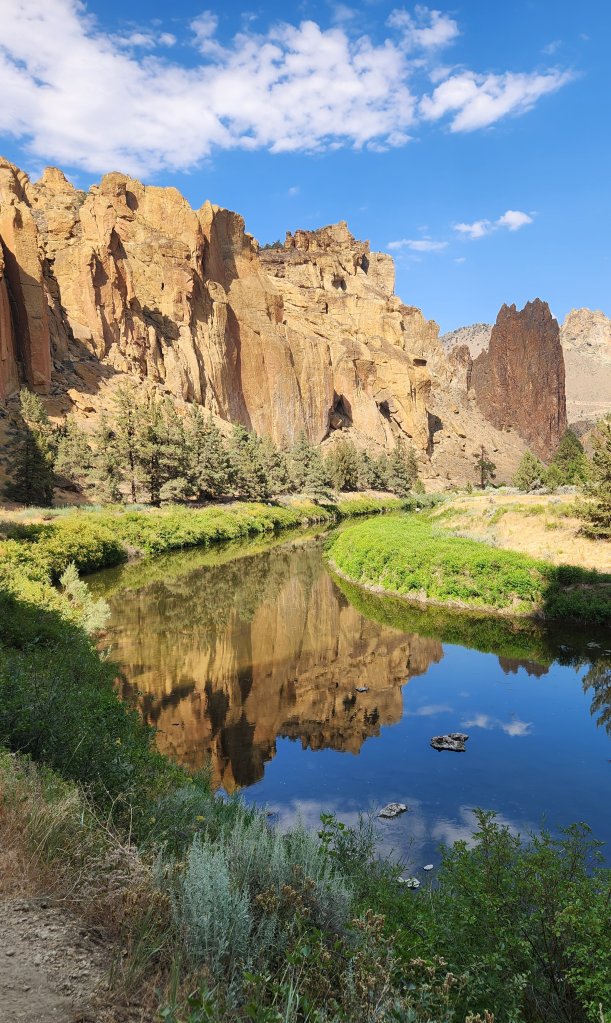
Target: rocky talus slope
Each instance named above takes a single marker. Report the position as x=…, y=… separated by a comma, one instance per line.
x=129, y=280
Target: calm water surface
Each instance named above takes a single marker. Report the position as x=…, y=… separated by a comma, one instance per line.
x=249, y=659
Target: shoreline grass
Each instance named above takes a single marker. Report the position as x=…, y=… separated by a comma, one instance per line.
x=409, y=558
x=94, y=539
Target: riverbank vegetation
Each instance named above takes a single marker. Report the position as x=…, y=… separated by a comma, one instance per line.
x=145, y=450
x=409, y=557
x=215, y=915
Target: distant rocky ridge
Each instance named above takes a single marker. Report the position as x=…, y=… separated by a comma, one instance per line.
x=585, y=337
x=127, y=280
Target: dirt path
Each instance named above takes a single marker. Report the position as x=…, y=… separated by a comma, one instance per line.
x=52, y=968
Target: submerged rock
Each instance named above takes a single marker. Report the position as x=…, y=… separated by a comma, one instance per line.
x=392, y=810
x=454, y=742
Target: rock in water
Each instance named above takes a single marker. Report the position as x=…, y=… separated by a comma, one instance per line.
x=454, y=742
x=410, y=882
x=392, y=810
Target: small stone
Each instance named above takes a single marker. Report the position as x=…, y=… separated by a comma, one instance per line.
x=392, y=810
x=410, y=882
x=9, y=952
x=362, y=689
x=429, y=866
x=454, y=742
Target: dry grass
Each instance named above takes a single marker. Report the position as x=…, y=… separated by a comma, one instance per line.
x=53, y=846
x=543, y=526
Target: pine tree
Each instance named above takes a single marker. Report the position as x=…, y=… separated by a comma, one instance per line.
x=276, y=467
x=402, y=469
x=104, y=475
x=73, y=459
x=208, y=466
x=530, y=472
x=32, y=479
x=598, y=510
x=342, y=465
x=126, y=420
x=307, y=468
x=249, y=479
x=485, y=467
x=570, y=460
x=156, y=453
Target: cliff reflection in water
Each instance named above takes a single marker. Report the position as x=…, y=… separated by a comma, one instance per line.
x=225, y=659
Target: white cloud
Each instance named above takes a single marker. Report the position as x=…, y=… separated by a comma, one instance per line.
x=425, y=29
x=513, y=220
x=475, y=230
x=84, y=98
x=143, y=39
x=293, y=190
x=514, y=727
x=204, y=28
x=417, y=245
x=477, y=101
x=552, y=47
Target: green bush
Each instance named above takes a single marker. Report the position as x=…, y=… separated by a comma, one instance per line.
x=407, y=556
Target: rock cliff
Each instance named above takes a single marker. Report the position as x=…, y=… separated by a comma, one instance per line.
x=586, y=341
x=308, y=337
x=519, y=381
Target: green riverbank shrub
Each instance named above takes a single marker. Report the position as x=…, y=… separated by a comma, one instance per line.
x=409, y=557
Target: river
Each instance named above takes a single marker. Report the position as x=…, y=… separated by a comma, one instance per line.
x=250, y=659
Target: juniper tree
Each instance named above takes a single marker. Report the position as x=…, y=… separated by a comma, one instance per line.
x=157, y=452
x=569, y=459
x=342, y=465
x=73, y=459
x=485, y=467
x=276, y=467
x=208, y=467
x=307, y=468
x=126, y=419
x=32, y=479
x=402, y=469
x=105, y=474
x=249, y=478
x=529, y=473
x=598, y=510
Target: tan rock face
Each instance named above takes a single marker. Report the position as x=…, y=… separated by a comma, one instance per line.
x=519, y=382
x=586, y=342
x=129, y=279
x=309, y=337
x=9, y=373
x=23, y=277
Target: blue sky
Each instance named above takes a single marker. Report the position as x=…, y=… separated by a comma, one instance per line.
x=472, y=141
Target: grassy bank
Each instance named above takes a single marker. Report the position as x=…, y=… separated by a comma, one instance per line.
x=409, y=557
x=92, y=539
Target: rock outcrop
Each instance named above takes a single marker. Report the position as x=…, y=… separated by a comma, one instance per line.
x=586, y=342
x=308, y=337
x=25, y=340
x=519, y=381
x=476, y=337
